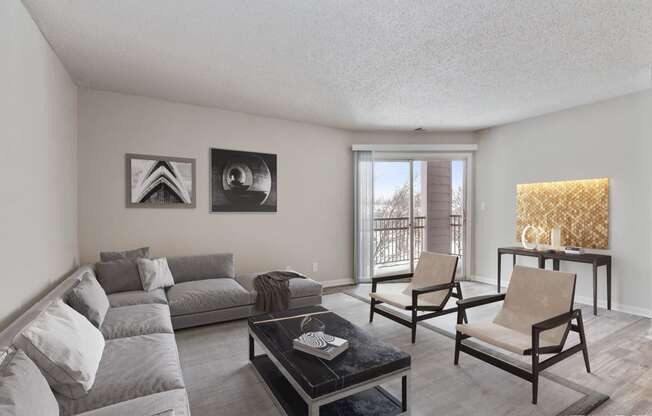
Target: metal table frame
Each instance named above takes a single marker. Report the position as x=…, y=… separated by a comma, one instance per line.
x=315, y=403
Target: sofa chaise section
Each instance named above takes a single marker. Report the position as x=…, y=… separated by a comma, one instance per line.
x=130, y=368
x=139, y=372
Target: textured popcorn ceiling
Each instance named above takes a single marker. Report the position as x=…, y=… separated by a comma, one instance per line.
x=439, y=64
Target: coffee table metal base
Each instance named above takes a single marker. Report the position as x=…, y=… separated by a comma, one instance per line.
x=367, y=398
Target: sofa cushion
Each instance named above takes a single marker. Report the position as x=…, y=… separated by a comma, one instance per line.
x=500, y=336
x=118, y=276
x=126, y=254
x=129, y=321
x=189, y=268
x=149, y=405
x=65, y=346
x=130, y=368
x=298, y=287
x=23, y=389
x=89, y=299
x=206, y=295
x=137, y=297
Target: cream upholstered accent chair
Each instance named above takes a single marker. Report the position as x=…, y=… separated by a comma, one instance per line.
x=430, y=288
x=535, y=319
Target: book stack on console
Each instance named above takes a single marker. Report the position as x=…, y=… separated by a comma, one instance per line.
x=320, y=345
x=573, y=250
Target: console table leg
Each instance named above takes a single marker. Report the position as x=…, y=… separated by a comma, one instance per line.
x=609, y=285
x=595, y=289
x=555, y=264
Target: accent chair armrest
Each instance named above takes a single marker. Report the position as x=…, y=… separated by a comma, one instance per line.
x=480, y=300
x=556, y=321
x=380, y=279
x=388, y=278
x=435, y=288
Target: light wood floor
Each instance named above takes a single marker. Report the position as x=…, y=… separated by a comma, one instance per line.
x=221, y=382
x=620, y=351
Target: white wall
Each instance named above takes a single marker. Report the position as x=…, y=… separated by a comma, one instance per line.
x=314, y=220
x=38, y=163
x=608, y=139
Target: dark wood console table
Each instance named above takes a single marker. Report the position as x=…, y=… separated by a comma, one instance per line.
x=596, y=260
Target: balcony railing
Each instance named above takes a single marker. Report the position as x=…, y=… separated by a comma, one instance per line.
x=392, y=238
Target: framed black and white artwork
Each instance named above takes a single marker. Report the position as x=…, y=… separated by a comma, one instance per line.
x=242, y=181
x=160, y=182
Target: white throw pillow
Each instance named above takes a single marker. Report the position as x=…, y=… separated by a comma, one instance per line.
x=154, y=273
x=66, y=347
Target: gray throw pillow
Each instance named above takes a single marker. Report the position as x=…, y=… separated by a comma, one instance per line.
x=89, y=299
x=23, y=389
x=126, y=254
x=154, y=273
x=118, y=276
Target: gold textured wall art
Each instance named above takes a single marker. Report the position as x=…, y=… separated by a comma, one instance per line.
x=579, y=208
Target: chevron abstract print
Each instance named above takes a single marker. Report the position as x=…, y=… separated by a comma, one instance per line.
x=157, y=181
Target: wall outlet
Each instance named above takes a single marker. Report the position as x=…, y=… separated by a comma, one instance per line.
x=315, y=267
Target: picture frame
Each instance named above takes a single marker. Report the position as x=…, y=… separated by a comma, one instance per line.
x=160, y=181
x=242, y=181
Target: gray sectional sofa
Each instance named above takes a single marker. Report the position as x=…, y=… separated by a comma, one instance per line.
x=139, y=372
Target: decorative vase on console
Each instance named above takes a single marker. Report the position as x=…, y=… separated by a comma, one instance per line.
x=555, y=239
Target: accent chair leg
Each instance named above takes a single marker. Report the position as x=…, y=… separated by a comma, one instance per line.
x=535, y=377
x=585, y=351
x=535, y=366
x=414, y=324
x=461, y=315
x=371, y=310
x=459, y=293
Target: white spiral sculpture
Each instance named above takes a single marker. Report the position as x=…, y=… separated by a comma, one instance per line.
x=537, y=236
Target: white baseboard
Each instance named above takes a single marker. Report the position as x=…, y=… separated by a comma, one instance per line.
x=487, y=280
x=337, y=282
x=586, y=300
x=632, y=310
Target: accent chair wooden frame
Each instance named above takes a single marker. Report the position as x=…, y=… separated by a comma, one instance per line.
x=452, y=287
x=536, y=348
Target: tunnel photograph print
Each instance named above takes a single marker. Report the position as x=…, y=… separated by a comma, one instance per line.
x=242, y=181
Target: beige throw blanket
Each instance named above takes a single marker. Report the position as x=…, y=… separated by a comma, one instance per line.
x=274, y=290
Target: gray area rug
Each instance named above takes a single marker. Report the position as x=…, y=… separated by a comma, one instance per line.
x=445, y=325
x=220, y=380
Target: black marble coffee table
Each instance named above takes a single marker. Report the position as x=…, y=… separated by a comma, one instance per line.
x=301, y=384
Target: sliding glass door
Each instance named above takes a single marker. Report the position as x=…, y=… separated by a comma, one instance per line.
x=418, y=205
x=392, y=225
